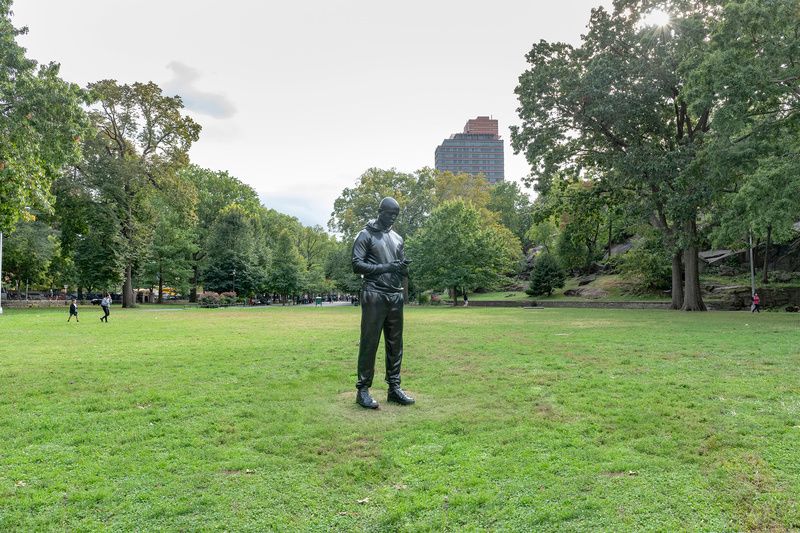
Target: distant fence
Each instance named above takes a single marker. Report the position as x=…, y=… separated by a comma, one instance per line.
x=572, y=304
x=37, y=304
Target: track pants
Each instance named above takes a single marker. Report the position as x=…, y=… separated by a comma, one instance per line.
x=380, y=312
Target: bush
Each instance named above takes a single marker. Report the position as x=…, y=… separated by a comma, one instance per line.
x=647, y=267
x=614, y=264
x=208, y=299
x=423, y=298
x=228, y=298
x=546, y=275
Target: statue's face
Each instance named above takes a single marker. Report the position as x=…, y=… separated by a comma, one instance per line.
x=387, y=216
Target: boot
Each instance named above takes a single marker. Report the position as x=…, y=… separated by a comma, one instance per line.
x=365, y=400
x=397, y=395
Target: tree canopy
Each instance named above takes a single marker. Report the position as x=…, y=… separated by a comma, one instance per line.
x=459, y=248
x=41, y=125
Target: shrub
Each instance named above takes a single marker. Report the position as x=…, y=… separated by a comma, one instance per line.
x=647, y=267
x=208, y=299
x=228, y=298
x=423, y=298
x=546, y=275
x=614, y=264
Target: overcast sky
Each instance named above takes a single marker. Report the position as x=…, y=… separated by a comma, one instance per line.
x=298, y=99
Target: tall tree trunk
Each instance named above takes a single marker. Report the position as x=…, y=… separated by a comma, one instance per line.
x=160, y=286
x=80, y=293
x=455, y=296
x=677, y=280
x=195, y=276
x=127, y=288
x=765, y=278
x=692, y=296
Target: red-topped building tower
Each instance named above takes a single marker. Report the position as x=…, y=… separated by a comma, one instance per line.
x=479, y=150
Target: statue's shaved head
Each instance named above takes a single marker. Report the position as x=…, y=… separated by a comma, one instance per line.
x=388, y=203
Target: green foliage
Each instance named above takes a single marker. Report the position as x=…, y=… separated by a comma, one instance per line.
x=171, y=249
x=314, y=282
x=357, y=206
x=546, y=276
x=141, y=144
x=543, y=234
x=314, y=244
x=458, y=247
x=472, y=188
x=513, y=208
x=232, y=259
x=97, y=258
x=28, y=252
x=757, y=119
x=617, y=109
x=339, y=268
x=647, y=266
x=41, y=124
x=288, y=267
x=572, y=252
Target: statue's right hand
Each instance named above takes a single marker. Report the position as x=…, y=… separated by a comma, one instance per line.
x=394, y=267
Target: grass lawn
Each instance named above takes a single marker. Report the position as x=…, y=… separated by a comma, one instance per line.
x=529, y=420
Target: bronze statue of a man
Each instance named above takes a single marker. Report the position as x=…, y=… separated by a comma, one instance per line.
x=379, y=257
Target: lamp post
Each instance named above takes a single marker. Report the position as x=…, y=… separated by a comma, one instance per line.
x=234, y=280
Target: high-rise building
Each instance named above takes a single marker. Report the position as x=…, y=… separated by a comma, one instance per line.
x=478, y=150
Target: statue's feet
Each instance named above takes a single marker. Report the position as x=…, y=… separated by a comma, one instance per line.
x=396, y=395
x=365, y=400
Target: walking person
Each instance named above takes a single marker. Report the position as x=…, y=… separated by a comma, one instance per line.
x=756, y=303
x=73, y=310
x=105, y=303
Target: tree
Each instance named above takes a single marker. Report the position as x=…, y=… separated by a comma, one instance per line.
x=97, y=264
x=468, y=187
x=231, y=254
x=513, y=208
x=358, y=205
x=213, y=191
x=547, y=275
x=458, y=248
x=172, y=247
x=28, y=251
x=617, y=110
x=314, y=244
x=286, y=274
x=339, y=268
x=142, y=142
x=41, y=124
x=757, y=119
x=544, y=234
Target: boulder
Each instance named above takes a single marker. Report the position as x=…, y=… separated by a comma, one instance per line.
x=586, y=292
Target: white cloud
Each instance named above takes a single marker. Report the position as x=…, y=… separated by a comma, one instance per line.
x=215, y=105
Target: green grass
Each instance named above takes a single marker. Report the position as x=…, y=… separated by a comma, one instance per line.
x=526, y=420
